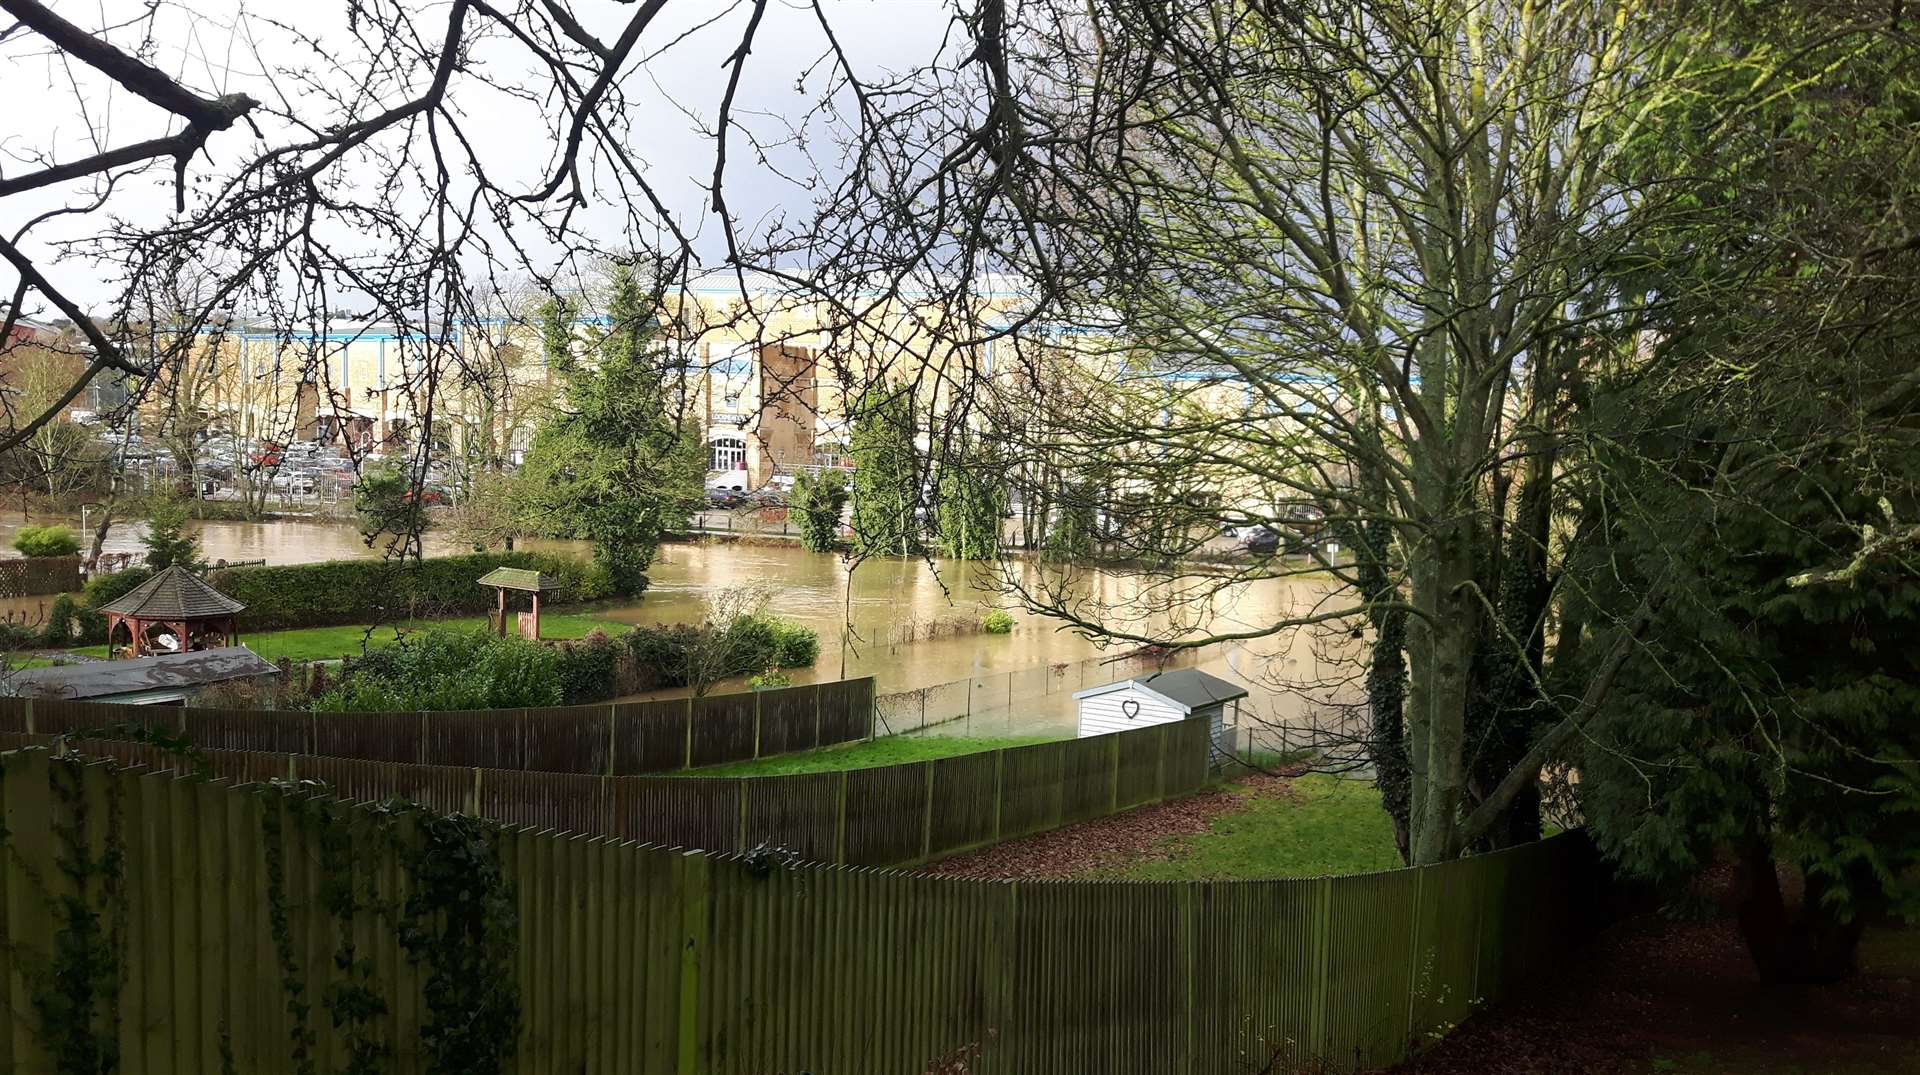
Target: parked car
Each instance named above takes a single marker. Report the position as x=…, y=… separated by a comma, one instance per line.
x=1261, y=541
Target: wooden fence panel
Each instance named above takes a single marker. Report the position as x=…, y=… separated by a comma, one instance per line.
x=789, y=720
x=679, y=811
x=1258, y=951
x=1139, y=754
x=1370, y=970
x=478, y=738
x=1086, y=778
x=846, y=710
x=649, y=737
x=1090, y=1001
x=239, y=912
x=569, y=739
x=52, y=716
x=566, y=802
x=797, y=813
x=286, y=731
x=370, y=736
x=1030, y=784
x=886, y=814
x=723, y=729
x=966, y=802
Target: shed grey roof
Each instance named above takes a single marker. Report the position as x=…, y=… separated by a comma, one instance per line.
x=1187, y=688
x=520, y=578
x=102, y=679
x=174, y=594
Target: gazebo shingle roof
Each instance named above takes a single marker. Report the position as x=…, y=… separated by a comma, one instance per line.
x=520, y=578
x=174, y=594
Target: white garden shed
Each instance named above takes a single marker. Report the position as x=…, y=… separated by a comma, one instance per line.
x=1159, y=698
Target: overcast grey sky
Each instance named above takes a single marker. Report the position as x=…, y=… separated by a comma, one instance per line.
x=229, y=46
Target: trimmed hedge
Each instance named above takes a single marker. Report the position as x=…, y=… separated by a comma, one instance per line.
x=375, y=591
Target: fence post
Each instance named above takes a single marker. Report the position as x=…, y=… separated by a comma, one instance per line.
x=696, y=883
x=999, y=787
x=926, y=818
x=473, y=797
x=425, y=725
x=28, y=703
x=613, y=735
x=756, y=723
x=686, y=757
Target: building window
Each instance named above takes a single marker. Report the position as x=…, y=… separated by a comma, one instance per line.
x=727, y=453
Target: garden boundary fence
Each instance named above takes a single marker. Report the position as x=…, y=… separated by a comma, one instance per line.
x=196, y=927
x=607, y=738
x=36, y=576
x=891, y=815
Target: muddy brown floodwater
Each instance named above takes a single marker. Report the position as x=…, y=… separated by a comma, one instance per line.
x=888, y=597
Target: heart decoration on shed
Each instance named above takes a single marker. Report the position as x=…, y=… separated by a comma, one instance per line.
x=1131, y=707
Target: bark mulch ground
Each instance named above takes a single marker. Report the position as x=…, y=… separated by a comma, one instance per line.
x=1653, y=995
x=1113, y=840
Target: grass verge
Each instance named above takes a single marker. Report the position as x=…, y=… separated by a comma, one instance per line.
x=889, y=750
x=1308, y=826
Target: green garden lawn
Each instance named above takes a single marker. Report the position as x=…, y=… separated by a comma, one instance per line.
x=331, y=643
x=890, y=750
x=1257, y=827
x=1307, y=826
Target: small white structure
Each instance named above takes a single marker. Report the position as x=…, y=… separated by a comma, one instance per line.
x=1159, y=698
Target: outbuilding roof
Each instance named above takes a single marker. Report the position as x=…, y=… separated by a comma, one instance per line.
x=105, y=679
x=1187, y=688
x=520, y=578
x=174, y=594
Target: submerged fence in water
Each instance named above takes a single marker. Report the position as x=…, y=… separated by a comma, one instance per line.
x=260, y=930
x=607, y=738
x=998, y=693
x=887, y=815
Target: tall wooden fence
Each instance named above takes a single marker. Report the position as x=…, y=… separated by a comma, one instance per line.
x=890, y=815
x=214, y=927
x=608, y=738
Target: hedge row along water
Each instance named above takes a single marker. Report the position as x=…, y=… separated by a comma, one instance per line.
x=618, y=738
x=189, y=926
x=890, y=815
x=383, y=591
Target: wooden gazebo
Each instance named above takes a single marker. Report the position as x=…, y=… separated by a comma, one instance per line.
x=526, y=580
x=177, y=603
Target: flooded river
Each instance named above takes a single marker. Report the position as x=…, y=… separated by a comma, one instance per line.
x=887, y=598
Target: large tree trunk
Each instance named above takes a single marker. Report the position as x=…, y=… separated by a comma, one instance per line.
x=1443, y=679
x=1802, y=943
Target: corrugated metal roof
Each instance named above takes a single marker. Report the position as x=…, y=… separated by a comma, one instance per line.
x=174, y=594
x=102, y=679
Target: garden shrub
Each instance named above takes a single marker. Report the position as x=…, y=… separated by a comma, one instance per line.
x=662, y=654
x=997, y=622
x=447, y=668
x=69, y=623
x=588, y=669
x=794, y=645
x=46, y=541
